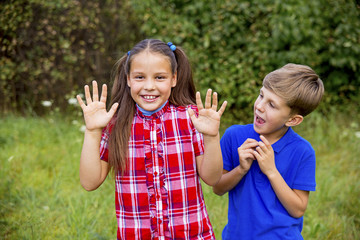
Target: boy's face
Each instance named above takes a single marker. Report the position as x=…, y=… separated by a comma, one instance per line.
x=271, y=115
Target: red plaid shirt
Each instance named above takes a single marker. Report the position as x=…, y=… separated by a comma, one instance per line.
x=159, y=195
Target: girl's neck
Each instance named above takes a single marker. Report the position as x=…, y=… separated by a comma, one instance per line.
x=149, y=113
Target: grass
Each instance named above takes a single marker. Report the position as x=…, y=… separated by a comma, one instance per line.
x=41, y=197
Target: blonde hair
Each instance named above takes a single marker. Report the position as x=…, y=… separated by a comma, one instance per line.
x=298, y=85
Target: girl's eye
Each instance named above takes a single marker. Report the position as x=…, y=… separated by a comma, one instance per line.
x=272, y=105
x=139, y=77
x=160, y=77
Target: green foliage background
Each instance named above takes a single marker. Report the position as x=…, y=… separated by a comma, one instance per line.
x=50, y=49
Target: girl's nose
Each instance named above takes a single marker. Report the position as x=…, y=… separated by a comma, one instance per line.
x=149, y=84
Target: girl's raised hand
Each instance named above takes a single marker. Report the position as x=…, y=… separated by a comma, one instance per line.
x=95, y=114
x=208, y=120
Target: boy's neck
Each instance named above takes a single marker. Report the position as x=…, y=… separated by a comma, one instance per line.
x=273, y=138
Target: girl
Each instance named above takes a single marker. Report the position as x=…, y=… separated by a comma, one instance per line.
x=155, y=144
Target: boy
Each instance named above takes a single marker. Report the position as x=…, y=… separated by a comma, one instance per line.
x=268, y=168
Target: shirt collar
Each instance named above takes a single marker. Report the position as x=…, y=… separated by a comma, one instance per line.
x=152, y=114
x=284, y=140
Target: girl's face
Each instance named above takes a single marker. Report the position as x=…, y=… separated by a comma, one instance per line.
x=150, y=80
x=271, y=115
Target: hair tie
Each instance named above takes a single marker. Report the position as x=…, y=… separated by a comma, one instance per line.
x=172, y=46
x=128, y=53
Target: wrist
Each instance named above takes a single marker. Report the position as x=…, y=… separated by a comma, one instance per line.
x=272, y=174
x=211, y=137
x=93, y=132
x=241, y=171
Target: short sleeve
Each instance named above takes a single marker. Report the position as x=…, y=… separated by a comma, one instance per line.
x=104, y=152
x=225, y=144
x=305, y=176
x=197, y=138
x=104, y=142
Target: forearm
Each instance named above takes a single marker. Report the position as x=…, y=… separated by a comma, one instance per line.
x=92, y=170
x=229, y=180
x=294, y=201
x=211, y=166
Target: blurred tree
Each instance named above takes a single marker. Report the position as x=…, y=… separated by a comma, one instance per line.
x=49, y=48
x=234, y=44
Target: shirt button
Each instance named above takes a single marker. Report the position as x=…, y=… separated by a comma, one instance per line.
x=160, y=221
x=155, y=173
x=158, y=197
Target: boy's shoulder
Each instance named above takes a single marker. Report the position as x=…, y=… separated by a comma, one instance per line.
x=294, y=140
x=235, y=129
x=240, y=132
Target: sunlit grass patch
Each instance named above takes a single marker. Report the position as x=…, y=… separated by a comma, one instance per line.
x=41, y=196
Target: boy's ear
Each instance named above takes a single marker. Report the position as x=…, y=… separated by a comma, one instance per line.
x=294, y=120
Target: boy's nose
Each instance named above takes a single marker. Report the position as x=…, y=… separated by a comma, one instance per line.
x=259, y=106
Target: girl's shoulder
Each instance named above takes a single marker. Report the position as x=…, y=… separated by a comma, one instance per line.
x=178, y=108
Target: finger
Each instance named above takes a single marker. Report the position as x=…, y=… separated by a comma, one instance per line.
x=248, y=155
x=259, y=150
x=80, y=101
x=208, y=99
x=214, y=101
x=250, y=145
x=267, y=143
x=198, y=101
x=222, y=108
x=256, y=155
x=87, y=95
x=113, y=109
x=103, y=93
x=95, y=91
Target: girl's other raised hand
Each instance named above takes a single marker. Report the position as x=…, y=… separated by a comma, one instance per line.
x=95, y=114
x=208, y=120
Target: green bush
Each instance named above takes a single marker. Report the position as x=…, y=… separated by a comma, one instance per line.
x=234, y=44
x=49, y=48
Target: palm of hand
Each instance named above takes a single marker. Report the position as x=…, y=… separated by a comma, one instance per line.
x=208, y=120
x=95, y=114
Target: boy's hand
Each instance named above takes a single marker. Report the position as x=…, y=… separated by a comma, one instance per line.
x=208, y=120
x=264, y=154
x=95, y=114
x=246, y=154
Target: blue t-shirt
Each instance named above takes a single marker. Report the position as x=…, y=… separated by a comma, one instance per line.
x=255, y=212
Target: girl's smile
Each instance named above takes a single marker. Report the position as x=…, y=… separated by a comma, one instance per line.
x=150, y=80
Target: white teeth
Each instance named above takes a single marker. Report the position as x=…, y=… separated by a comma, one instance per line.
x=149, y=97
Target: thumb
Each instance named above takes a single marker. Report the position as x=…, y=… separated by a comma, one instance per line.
x=191, y=114
x=113, y=109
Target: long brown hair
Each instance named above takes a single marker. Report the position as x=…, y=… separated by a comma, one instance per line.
x=182, y=94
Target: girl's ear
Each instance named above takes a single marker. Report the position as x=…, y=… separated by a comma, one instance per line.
x=128, y=80
x=294, y=120
x=174, y=80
